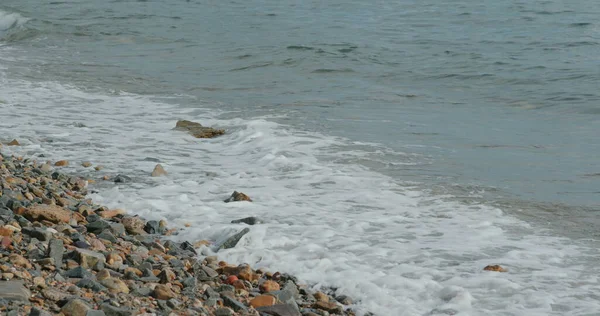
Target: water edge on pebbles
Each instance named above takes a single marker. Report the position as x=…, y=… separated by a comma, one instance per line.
x=62, y=253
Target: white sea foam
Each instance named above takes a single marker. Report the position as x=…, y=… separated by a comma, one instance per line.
x=399, y=251
x=9, y=20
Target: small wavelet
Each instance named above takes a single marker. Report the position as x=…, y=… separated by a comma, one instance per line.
x=545, y=12
x=329, y=70
x=463, y=76
x=580, y=24
x=579, y=43
x=300, y=47
x=259, y=65
x=11, y=20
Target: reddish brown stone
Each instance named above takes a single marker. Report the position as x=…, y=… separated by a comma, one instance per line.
x=61, y=163
x=6, y=242
x=238, y=196
x=495, y=268
x=263, y=300
x=6, y=232
x=239, y=285
x=51, y=213
x=134, y=270
x=162, y=292
x=321, y=297
x=112, y=213
x=330, y=307
x=231, y=279
x=19, y=261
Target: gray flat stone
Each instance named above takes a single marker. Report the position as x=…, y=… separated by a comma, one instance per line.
x=110, y=310
x=211, y=293
x=223, y=312
x=39, y=312
x=286, y=296
x=91, y=284
x=233, y=303
x=106, y=235
x=279, y=310
x=97, y=227
x=14, y=291
x=117, y=228
x=78, y=272
x=37, y=233
x=210, y=272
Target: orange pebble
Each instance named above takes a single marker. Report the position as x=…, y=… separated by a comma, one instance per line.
x=231, y=279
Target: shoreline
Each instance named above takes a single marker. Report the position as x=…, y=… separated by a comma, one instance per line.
x=62, y=253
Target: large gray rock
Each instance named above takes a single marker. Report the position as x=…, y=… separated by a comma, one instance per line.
x=233, y=240
x=55, y=251
x=75, y=307
x=291, y=287
x=286, y=296
x=234, y=304
x=14, y=291
x=89, y=259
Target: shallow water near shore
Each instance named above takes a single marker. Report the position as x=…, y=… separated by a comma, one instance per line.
x=395, y=183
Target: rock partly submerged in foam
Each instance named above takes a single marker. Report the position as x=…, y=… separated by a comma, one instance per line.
x=237, y=197
x=248, y=220
x=197, y=130
x=158, y=171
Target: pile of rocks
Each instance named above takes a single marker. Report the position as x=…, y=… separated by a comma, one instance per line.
x=62, y=254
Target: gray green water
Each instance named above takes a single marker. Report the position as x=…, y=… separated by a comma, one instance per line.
x=496, y=97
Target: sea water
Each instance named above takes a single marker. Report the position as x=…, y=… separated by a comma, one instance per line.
x=393, y=148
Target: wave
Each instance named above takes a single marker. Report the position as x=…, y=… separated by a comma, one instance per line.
x=11, y=20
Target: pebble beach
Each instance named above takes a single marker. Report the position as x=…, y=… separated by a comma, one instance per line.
x=63, y=254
